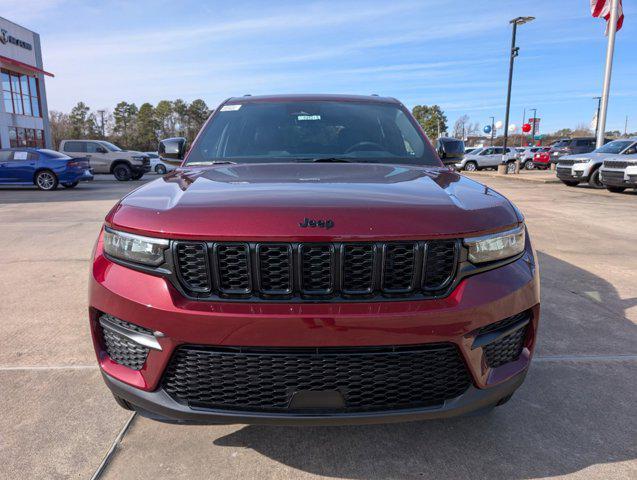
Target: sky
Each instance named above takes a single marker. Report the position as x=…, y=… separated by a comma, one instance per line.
x=453, y=53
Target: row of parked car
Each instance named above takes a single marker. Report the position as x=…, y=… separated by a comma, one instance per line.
x=76, y=161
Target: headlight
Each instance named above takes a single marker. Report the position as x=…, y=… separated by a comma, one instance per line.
x=497, y=246
x=139, y=158
x=134, y=248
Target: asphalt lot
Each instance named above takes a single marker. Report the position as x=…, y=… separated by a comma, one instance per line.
x=573, y=418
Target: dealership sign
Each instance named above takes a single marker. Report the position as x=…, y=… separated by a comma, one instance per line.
x=6, y=38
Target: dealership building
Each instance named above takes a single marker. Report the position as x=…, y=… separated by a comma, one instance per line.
x=24, y=120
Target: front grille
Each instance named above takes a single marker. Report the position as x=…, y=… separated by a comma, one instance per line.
x=615, y=164
x=566, y=162
x=122, y=350
x=366, y=378
x=315, y=270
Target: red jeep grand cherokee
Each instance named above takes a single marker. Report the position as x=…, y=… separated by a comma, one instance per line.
x=312, y=262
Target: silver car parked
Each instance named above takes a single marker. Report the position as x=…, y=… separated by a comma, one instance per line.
x=487, y=157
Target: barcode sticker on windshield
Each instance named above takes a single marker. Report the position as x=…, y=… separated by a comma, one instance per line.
x=308, y=117
x=230, y=108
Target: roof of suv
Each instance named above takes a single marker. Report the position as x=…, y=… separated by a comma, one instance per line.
x=312, y=98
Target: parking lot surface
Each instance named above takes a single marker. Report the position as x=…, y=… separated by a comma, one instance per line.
x=573, y=418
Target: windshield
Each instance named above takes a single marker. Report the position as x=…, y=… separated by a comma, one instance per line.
x=476, y=151
x=453, y=146
x=616, y=146
x=260, y=132
x=111, y=147
x=560, y=143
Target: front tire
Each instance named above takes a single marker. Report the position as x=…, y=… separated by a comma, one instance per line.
x=122, y=172
x=528, y=165
x=615, y=189
x=70, y=185
x=510, y=167
x=594, y=180
x=470, y=167
x=46, y=180
x=570, y=183
x=160, y=170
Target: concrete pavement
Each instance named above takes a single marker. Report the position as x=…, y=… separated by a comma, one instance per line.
x=573, y=418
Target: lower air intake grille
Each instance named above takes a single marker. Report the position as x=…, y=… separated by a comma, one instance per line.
x=367, y=378
x=505, y=350
x=121, y=349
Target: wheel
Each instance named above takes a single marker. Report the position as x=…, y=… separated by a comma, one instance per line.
x=528, y=165
x=510, y=167
x=122, y=172
x=570, y=183
x=46, y=180
x=137, y=176
x=160, y=169
x=471, y=166
x=615, y=189
x=594, y=180
x=70, y=185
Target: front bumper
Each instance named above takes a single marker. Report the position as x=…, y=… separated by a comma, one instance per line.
x=158, y=405
x=619, y=178
x=153, y=303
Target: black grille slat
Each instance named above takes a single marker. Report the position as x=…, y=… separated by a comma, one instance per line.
x=399, y=267
x=358, y=268
x=376, y=378
x=317, y=268
x=192, y=265
x=440, y=264
x=233, y=268
x=305, y=270
x=275, y=269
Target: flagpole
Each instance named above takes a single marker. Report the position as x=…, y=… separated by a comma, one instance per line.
x=610, y=48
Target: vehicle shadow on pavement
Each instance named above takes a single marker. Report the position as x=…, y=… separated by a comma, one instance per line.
x=572, y=413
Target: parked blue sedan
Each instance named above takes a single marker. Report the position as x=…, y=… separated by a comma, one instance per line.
x=45, y=168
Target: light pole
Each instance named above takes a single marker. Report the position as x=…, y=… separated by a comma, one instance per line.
x=599, y=106
x=514, y=53
x=533, y=131
x=492, y=128
x=101, y=113
x=522, y=124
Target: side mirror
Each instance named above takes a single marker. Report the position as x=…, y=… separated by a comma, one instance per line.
x=101, y=150
x=172, y=150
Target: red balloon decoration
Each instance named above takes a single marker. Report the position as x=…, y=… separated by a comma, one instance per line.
x=526, y=128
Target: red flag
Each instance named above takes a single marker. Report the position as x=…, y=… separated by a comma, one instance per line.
x=601, y=8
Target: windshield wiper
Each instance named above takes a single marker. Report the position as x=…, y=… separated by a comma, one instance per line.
x=212, y=162
x=331, y=160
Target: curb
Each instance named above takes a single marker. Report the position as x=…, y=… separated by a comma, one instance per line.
x=514, y=177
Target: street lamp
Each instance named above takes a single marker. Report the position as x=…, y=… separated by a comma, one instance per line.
x=514, y=53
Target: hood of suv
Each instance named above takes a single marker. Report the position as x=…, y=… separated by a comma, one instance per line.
x=262, y=202
x=598, y=157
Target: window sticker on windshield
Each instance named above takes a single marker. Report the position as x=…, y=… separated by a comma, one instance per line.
x=19, y=155
x=230, y=108
x=308, y=117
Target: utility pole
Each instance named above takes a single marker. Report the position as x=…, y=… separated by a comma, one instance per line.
x=522, y=124
x=514, y=53
x=599, y=106
x=533, y=131
x=101, y=113
x=610, y=49
x=626, y=126
x=492, y=129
